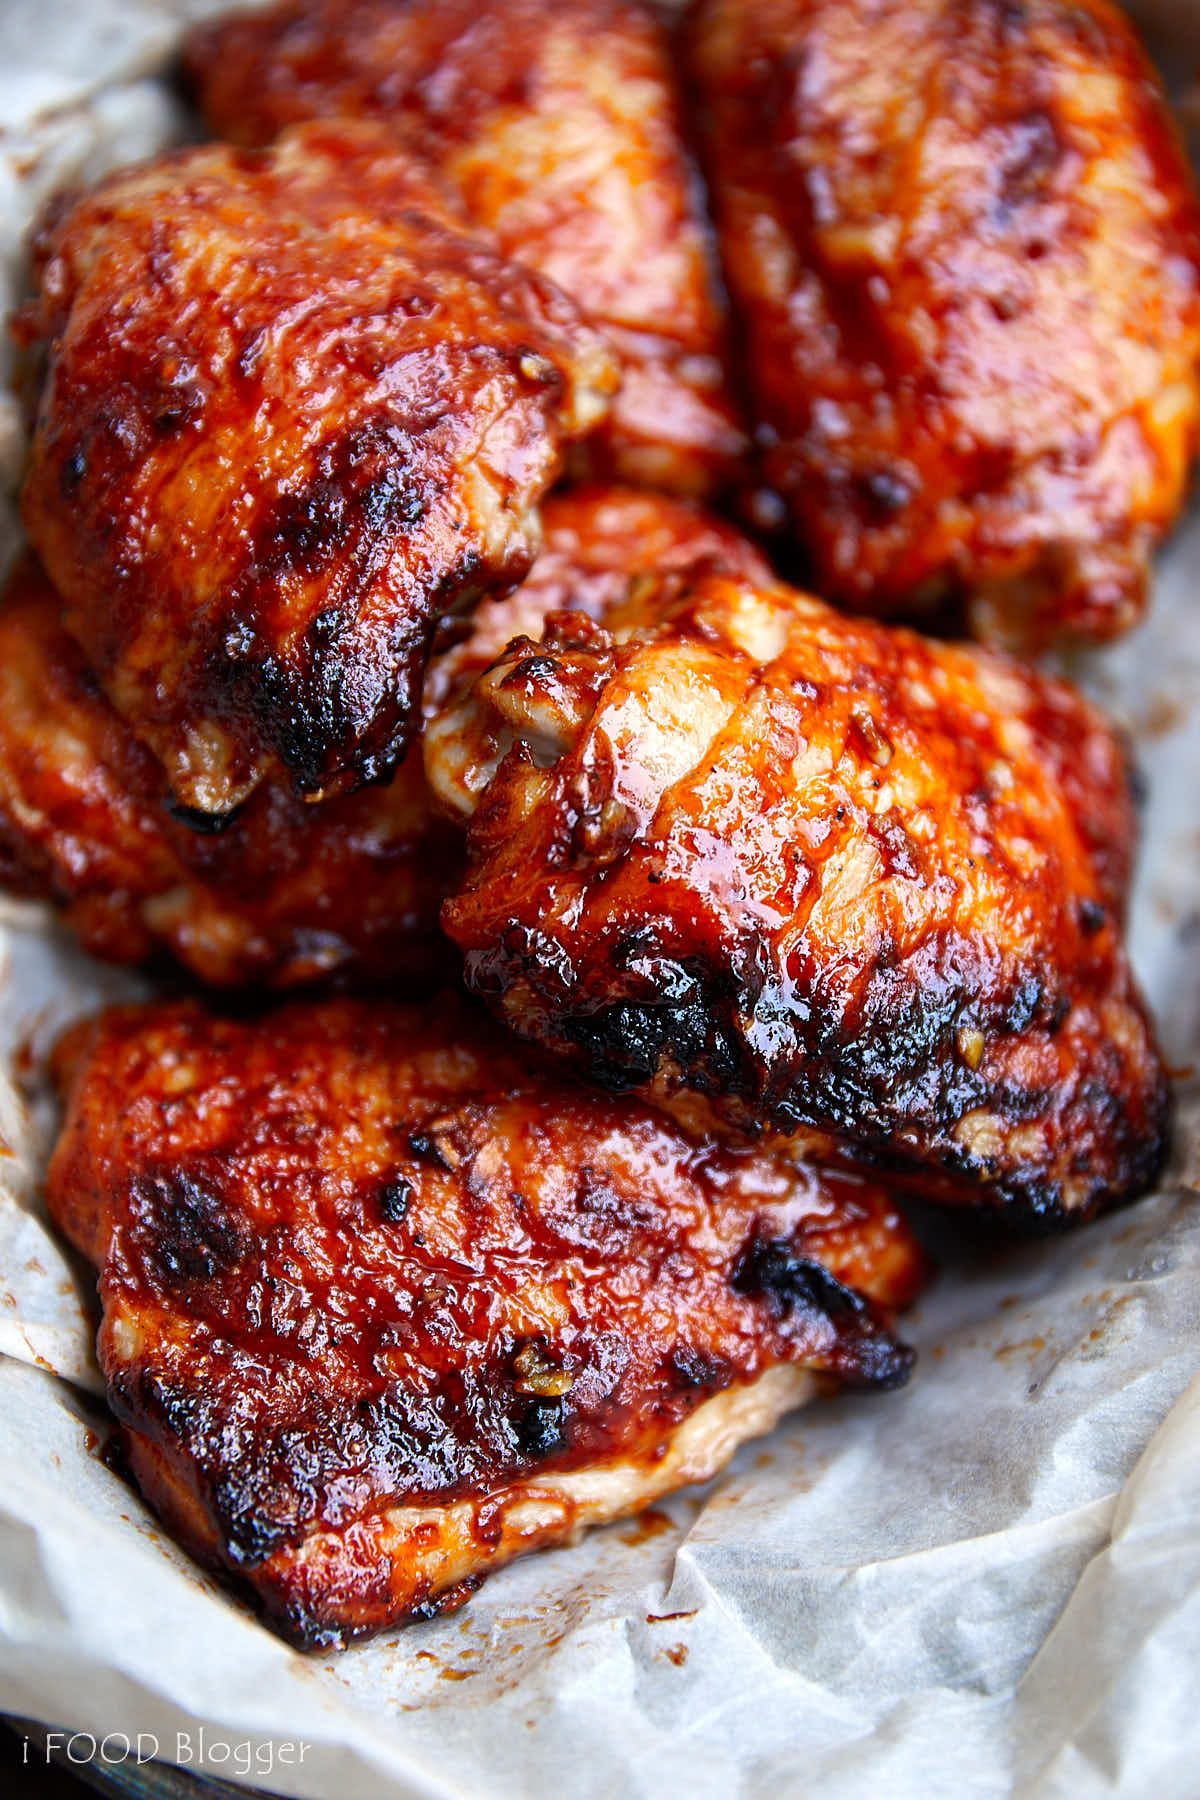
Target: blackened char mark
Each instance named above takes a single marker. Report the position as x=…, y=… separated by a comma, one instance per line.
x=316, y=705
x=624, y=1045
x=865, y=1353
x=770, y=1267
x=541, y=1429
x=266, y=1487
x=207, y=824
x=696, y=1369
x=362, y=495
x=395, y=1198
x=183, y=1229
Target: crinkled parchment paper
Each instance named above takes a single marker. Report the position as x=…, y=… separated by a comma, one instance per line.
x=987, y=1584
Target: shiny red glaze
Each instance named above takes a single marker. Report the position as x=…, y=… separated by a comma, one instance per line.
x=292, y=414
x=596, y=540
x=806, y=878
x=964, y=241
x=559, y=125
x=356, y=1258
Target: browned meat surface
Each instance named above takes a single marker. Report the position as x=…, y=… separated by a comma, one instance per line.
x=292, y=414
x=597, y=542
x=820, y=880
x=558, y=123
x=284, y=893
x=963, y=239
x=385, y=1303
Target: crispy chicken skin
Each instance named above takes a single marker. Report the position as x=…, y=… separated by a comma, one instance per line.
x=384, y=1303
x=283, y=894
x=558, y=123
x=597, y=541
x=963, y=238
x=795, y=875
x=292, y=414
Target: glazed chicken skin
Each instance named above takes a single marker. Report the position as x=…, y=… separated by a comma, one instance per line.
x=292, y=414
x=817, y=881
x=384, y=1304
x=964, y=241
x=559, y=125
x=597, y=541
x=283, y=894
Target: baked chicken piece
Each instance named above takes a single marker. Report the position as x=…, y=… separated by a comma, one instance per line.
x=964, y=241
x=292, y=414
x=558, y=123
x=814, y=880
x=283, y=893
x=385, y=1304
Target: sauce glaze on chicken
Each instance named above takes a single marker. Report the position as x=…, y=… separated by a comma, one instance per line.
x=597, y=540
x=559, y=124
x=293, y=413
x=964, y=241
x=386, y=1303
x=284, y=893
x=793, y=874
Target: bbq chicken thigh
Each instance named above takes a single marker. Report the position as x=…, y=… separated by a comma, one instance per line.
x=283, y=893
x=385, y=1304
x=558, y=124
x=292, y=414
x=964, y=241
x=814, y=880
